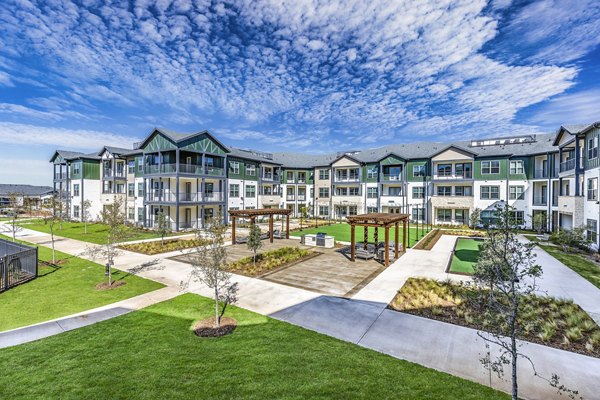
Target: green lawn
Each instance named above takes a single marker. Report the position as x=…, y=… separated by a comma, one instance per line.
x=584, y=267
x=69, y=288
x=152, y=354
x=96, y=233
x=465, y=255
x=341, y=232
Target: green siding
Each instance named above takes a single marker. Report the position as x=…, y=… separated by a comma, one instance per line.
x=482, y=177
x=91, y=169
x=409, y=170
x=139, y=160
x=365, y=168
x=527, y=173
x=243, y=170
x=159, y=143
x=594, y=162
x=73, y=174
x=202, y=143
x=392, y=160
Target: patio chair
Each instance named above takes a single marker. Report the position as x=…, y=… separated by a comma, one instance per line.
x=241, y=240
x=264, y=236
x=278, y=234
x=364, y=254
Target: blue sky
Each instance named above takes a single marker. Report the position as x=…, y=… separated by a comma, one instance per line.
x=300, y=75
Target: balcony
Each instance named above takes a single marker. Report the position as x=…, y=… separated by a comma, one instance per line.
x=567, y=165
x=540, y=173
x=158, y=196
x=290, y=197
x=301, y=197
x=110, y=174
x=391, y=177
x=270, y=178
x=448, y=177
x=346, y=179
x=539, y=200
x=61, y=177
x=189, y=169
x=452, y=201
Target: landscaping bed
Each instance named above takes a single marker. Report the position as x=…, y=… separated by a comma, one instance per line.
x=156, y=247
x=434, y=235
x=154, y=354
x=269, y=261
x=547, y=321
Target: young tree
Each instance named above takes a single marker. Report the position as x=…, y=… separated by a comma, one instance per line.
x=163, y=225
x=254, y=242
x=569, y=239
x=113, y=215
x=506, y=272
x=16, y=207
x=539, y=222
x=51, y=220
x=209, y=266
x=475, y=218
x=86, y=205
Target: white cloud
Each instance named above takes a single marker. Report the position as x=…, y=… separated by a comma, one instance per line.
x=5, y=79
x=575, y=108
x=76, y=139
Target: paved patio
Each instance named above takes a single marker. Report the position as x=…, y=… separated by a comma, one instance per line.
x=330, y=272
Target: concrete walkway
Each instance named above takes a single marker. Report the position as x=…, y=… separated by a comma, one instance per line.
x=364, y=319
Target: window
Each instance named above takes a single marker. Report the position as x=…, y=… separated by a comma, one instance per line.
x=354, y=174
x=301, y=177
x=444, y=170
x=323, y=211
x=323, y=192
x=290, y=176
x=592, y=189
x=140, y=189
x=234, y=190
x=250, y=191
x=459, y=216
x=463, y=170
x=131, y=189
x=140, y=166
x=518, y=217
x=76, y=189
x=593, y=147
x=324, y=174
x=76, y=168
x=352, y=210
x=371, y=193
x=341, y=191
x=444, y=190
x=516, y=167
x=131, y=167
x=516, y=193
x=250, y=169
x=131, y=213
x=463, y=191
x=120, y=188
x=234, y=167
x=353, y=191
x=490, y=192
x=444, y=215
x=417, y=214
x=490, y=167
x=418, y=192
x=372, y=172
x=371, y=209
x=395, y=191
x=592, y=230
x=418, y=170
x=76, y=213
x=140, y=214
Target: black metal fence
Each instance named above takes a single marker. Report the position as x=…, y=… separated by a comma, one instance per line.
x=18, y=264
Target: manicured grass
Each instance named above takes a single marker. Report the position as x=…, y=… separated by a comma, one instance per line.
x=267, y=261
x=152, y=354
x=96, y=233
x=545, y=320
x=584, y=267
x=65, y=289
x=341, y=232
x=157, y=247
x=465, y=255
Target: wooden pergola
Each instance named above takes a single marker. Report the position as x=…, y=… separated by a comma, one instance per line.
x=261, y=212
x=379, y=220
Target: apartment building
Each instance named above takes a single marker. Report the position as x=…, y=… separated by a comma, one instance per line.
x=193, y=177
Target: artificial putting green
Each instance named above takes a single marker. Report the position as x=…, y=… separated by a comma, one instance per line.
x=465, y=255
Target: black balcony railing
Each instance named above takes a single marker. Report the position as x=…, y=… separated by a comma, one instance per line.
x=540, y=200
x=540, y=173
x=567, y=165
x=191, y=169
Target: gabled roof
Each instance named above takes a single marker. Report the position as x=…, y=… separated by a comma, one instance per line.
x=117, y=151
x=352, y=157
x=391, y=154
x=73, y=155
x=455, y=147
x=574, y=130
x=178, y=137
x=25, y=190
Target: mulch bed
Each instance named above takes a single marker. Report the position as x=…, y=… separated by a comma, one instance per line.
x=429, y=240
x=106, y=286
x=206, y=327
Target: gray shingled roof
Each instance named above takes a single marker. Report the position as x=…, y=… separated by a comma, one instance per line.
x=26, y=190
x=115, y=150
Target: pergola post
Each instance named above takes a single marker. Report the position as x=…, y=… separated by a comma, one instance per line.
x=376, y=235
x=365, y=237
x=396, y=234
x=387, y=246
x=271, y=228
x=287, y=226
x=404, y=241
x=352, y=242
x=232, y=229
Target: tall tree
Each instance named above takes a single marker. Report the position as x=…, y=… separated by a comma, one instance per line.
x=209, y=267
x=254, y=242
x=506, y=272
x=114, y=217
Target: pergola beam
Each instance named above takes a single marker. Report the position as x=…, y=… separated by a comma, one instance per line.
x=252, y=214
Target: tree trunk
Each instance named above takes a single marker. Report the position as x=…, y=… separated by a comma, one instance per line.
x=217, y=316
x=85, y=227
x=52, y=240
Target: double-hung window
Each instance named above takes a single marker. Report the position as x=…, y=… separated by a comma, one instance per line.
x=444, y=170
x=323, y=192
x=516, y=167
x=418, y=192
x=593, y=147
x=250, y=191
x=516, y=193
x=234, y=167
x=592, y=230
x=371, y=193
x=444, y=190
x=490, y=192
x=250, y=169
x=592, y=189
x=323, y=174
x=76, y=189
x=418, y=170
x=234, y=190
x=490, y=167
x=444, y=215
